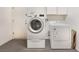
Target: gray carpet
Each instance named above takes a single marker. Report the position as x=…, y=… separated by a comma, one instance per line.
x=20, y=45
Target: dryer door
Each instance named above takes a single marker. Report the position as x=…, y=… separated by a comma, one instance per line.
x=36, y=25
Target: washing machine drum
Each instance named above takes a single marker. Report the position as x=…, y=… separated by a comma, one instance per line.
x=36, y=25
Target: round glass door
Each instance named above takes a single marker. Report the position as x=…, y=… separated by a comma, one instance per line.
x=36, y=25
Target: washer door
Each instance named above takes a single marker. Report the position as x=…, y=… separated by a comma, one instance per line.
x=36, y=25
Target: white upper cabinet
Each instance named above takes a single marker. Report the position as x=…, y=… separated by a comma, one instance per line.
x=62, y=10
x=57, y=10
x=51, y=10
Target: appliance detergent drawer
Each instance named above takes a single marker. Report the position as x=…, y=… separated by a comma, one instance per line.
x=35, y=43
x=60, y=44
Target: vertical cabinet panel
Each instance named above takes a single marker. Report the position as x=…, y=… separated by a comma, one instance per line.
x=62, y=10
x=57, y=10
x=51, y=10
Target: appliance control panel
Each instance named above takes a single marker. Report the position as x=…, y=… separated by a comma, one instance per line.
x=41, y=15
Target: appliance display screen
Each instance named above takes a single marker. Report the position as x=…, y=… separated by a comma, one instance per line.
x=41, y=15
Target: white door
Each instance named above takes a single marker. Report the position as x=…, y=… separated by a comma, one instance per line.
x=19, y=22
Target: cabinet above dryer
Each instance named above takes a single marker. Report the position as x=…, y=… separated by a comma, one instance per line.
x=57, y=10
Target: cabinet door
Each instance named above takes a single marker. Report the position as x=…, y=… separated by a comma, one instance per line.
x=51, y=10
x=62, y=10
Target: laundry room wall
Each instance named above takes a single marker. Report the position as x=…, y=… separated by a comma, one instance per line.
x=73, y=20
x=18, y=14
x=5, y=25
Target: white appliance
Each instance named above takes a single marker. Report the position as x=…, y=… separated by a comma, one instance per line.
x=60, y=35
x=36, y=25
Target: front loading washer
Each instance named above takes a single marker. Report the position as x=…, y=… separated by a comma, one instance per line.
x=37, y=30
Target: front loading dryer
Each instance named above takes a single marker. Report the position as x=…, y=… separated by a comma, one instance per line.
x=37, y=31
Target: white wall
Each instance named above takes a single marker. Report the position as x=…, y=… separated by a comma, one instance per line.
x=73, y=20
x=5, y=25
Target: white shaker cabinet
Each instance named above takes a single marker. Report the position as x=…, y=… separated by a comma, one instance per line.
x=60, y=37
x=51, y=10
x=62, y=10
x=57, y=10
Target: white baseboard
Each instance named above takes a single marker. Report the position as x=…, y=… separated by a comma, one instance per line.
x=4, y=42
